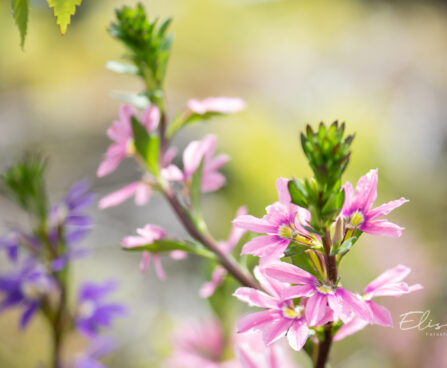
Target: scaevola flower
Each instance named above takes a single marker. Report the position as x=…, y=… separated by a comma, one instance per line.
x=220, y=105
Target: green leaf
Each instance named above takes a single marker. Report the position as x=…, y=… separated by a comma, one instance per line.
x=117, y=67
x=168, y=245
x=63, y=10
x=302, y=261
x=297, y=192
x=344, y=247
x=146, y=145
x=20, y=10
x=295, y=249
x=196, y=191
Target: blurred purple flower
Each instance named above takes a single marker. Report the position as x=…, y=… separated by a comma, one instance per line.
x=93, y=311
x=10, y=243
x=358, y=212
x=98, y=349
x=26, y=288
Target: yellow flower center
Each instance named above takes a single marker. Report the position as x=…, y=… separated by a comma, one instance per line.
x=292, y=312
x=325, y=289
x=290, y=232
x=357, y=218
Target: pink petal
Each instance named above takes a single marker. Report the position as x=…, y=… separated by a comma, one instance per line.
x=159, y=267
x=208, y=288
x=254, y=224
x=217, y=162
x=236, y=233
x=169, y=155
x=276, y=330
x=366, y=191
x=178, y=254
x=222, y=105
x=145, y=259
x=108, y=165
x=255, y=298
x=357, y=305
x=315, y=308
x=192, y=156
x=350, y=328
x=382, y=227
x=257, y=246
x=297, y=335
x=283, y=190
x=380, y=315
x=287, y=272
x=150, y=117
x=212, y=181
x=349, y=197
x=134, y=241
x=297, y=291
x=256, y=320
x=172, y=173
x=119, y=196
x=142, y=194
x=391, y=276
x=273, y=287
x=386, y=208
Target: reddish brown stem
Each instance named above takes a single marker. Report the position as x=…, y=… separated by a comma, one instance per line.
x=225, y=260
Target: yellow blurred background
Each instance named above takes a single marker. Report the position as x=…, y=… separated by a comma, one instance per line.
x=381, y=66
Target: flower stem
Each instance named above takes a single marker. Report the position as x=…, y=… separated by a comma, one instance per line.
x=208, y=241
x=324, y=346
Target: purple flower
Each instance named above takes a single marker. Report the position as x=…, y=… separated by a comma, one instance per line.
x=283, y=223
x=147, y=235
x=121, y=133
x=26, y=288
x=282, y=315
x=10, y=242
x=358, y=212
x=219, y=273
x=90, y=358
x=219, y=105
x=93, y=311
x=321, y=295
x=388, y=283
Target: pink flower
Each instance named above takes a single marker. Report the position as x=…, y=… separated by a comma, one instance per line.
x=388, y=283
x=142, y=189
x=121, y=133
x=321, y=295
x=219, y=273
x=147, y=235
x=358, y=212
x=200, y=345
x=281, y=316
x=283, y=224
x=252, y=353
x=195, y=152
x=220, y=105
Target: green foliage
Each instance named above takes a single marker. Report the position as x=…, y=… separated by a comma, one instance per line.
x=328, y=153
x=196, y=186
x=148, y=46
x=343, y=247
x=168, y=245
x=20, y=10
x=63, y=10
x=24, y=182
x=147, y=146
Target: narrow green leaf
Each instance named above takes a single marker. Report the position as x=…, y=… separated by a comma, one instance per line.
x=295, y=249
x=20, y=10
x=63, y=10
x=297, y=193
x=141, y=138
x=117, y=67
x=196, y=186
x=344, y=247
x=302, y=261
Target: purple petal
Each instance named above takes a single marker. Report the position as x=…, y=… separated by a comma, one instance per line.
x=27, y=315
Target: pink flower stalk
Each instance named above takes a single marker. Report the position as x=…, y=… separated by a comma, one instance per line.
x=195, y=152
x=281, y=316
x=200, y=345
x=252, y=353
x=220, y=105
x=283, y=224
x=388, y=283
x=147, y=235
x=358, y=212
x=219, y=273
x=120, y=132
x=142, y=189
x=342, y=302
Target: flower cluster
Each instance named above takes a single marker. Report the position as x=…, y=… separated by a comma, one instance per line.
x=296, y=302
x=41, y=260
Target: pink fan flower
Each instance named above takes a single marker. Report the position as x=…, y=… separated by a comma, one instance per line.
x=388, y=283
x=283, y=224
x=219, y=105
x=200, y=345
x=219, y=272
x=357, y=208
x=342, y=302
x=120, y=132
x=281, y=316
x=147, y=235
x=142, y=189
x=195, y=152
x=252, y=353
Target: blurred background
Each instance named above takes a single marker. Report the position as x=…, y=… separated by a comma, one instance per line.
x=381, y=66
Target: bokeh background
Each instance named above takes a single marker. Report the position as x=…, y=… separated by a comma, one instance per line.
x=381, y=66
